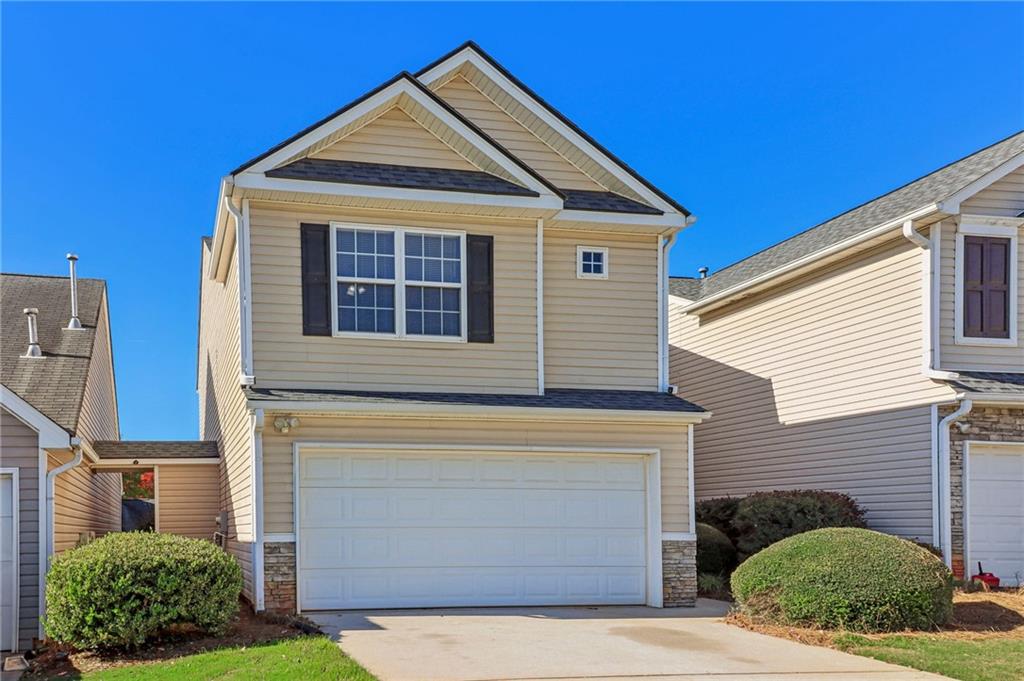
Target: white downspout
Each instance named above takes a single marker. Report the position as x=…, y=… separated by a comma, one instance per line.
x=664, y=246
x=244, y=284
x=51, y=478
x=929, y=276
x=945, y=475
x=257, y=520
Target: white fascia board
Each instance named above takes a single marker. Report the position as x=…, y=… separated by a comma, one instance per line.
x=810, y=258
x=258, y=181
x=219, y=229
x=478, y=412
x=468, y=54
x=672, y=220
x=951, y=204
x=51, y=436
x=156, y=461
x=400, y=87
x=993, y=398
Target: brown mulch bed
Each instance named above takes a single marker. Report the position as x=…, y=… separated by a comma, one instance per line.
x=977, y=615
x=248, y=629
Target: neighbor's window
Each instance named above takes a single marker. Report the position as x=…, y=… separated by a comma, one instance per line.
x=399, y=282
x=985, y=284
x=591, y=262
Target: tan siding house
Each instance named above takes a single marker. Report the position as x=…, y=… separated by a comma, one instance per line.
x=432, y=352
x=840, y=359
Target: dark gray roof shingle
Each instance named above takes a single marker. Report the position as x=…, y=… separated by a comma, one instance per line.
x=629, y=400
x=156, y=449
x=386, y=175
x=608, y=202
x=989, y=382
x=685, y=287
x=931, y=188
x=55, y=383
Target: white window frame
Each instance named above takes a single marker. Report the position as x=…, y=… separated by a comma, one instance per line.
x=978, y=226
x=580, y=250
x=400, y=283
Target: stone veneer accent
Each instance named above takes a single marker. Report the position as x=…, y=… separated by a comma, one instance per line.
x=991, y=424
x=279, y=582
x=679, y=573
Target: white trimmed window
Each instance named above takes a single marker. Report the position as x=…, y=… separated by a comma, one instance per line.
x=591, y=262
x=985, y=294
x=398, y=282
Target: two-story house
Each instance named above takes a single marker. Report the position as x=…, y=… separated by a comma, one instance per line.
x=880, y=353
x=432, y=347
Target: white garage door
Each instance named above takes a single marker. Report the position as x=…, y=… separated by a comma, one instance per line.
x=401, y=529
x=995, y=511
x=8, y=573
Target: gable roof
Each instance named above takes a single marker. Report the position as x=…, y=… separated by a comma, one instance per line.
x=156, y=449
x=55, y=383
x=541, y=102
x=933, y=188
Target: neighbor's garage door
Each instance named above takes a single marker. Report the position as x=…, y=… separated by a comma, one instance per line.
x=995, y=511
x=394, y=529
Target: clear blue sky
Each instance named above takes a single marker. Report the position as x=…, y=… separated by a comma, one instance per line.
x=119, y=120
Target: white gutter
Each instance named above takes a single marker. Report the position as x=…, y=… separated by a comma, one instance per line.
x=244, y=288
x=540, y=306
x=817, y=255
x=257, y=520
x=929, y=299
x=945, y=474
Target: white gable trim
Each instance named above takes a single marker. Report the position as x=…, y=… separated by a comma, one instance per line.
x=952, y=203
x=468, y=54
x=392, y=91
x=51, y=436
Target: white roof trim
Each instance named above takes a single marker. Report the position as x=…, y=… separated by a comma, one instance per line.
x=468, y=54
x=51, y=436
x=673, y=219
x=399, y=87
x=951, y=204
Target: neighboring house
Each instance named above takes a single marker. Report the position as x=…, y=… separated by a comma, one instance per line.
x=881, y=354
x=60, y=458
x=432, y=350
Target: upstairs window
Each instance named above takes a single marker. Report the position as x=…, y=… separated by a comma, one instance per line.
x=591, y=262
x=986, y=283
x=399, y=283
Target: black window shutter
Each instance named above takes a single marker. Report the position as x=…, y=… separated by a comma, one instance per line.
x=316, y=280
x=480, y=292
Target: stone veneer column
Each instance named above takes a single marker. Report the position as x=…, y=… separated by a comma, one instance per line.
x=983, y=424
x=679, y=573
x=279, y=581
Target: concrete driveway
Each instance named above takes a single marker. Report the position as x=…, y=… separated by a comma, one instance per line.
x=477, y=644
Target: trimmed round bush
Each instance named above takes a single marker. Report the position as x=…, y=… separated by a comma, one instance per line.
x=764, y=518
x=718, y=513
x=715, y=553
x=127, y=587
x=846, y=578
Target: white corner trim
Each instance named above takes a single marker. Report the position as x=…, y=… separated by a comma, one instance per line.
x=974, y=226
x=936, y=481
x=946, y=485
x=51, y=436
x=540, y=306
x=689, y=478
x=15, y=632
x=257, y=507
x=580, y=250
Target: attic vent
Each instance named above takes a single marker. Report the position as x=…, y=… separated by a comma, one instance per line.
x=74, y=323
x=703, y=272
x=33, y=333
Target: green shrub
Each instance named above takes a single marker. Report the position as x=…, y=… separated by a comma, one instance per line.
x=125, y=588
x=718, y=513
x=766, y=517
x=715, y=553
x=711, y=584
x=846, y=578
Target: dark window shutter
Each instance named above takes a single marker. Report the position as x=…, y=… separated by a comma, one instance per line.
x=986, y=283
x=316, y=280
x=480, y=288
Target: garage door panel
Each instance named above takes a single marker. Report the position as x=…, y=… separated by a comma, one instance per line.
x=995, y=511
x=386, y=529
x=410, y=587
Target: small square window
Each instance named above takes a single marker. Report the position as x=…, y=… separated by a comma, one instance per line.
x=591, y=262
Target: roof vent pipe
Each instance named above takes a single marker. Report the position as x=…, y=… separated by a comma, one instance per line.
x=33, y=334
x=703, y=272
x=74, y=323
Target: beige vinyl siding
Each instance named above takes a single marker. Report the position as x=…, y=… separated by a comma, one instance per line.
x=953, y=356
x=223, y=413
x=818, y=384
x=601, y=333
x=1004, y=198
x=283, y=357
x=19, y=448
x=85, y=502
x=395, y=138
x=189, y=499
x=98, y=417
x=672, y=440
x=526, y=146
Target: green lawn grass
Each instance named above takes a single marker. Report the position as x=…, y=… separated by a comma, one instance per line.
x=992, y=659
x=312, y=657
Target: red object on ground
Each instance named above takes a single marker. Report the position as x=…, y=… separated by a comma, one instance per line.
x=986, y=578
